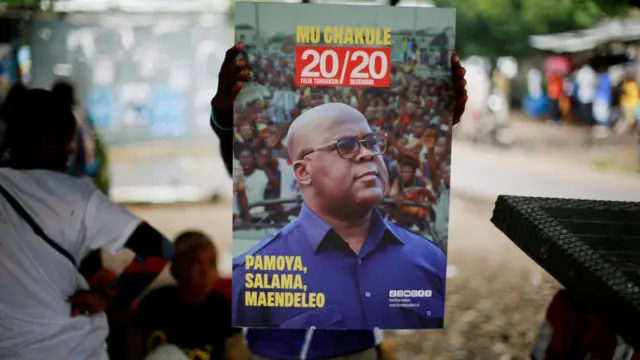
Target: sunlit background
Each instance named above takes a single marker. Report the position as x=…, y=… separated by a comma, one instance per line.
x=146, y=71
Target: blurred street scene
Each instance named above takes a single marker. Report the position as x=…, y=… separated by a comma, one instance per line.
x=553, y=111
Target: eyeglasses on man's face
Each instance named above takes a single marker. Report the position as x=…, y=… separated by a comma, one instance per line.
x=349, y=147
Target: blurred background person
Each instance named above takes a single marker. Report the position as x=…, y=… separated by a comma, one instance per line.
x=191, y=314
x=586, y=83
x=90, y=159
x=602, y=103
x=41, y=287
x=629, y=100
x=14, y=93
x=555, y=90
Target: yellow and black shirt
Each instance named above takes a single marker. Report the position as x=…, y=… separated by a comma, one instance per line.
x=199, y=330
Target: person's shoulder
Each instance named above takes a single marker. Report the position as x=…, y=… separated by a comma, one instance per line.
x=256, y=249
x=416, y=241
x=48, y=176
x=56, y=182
x=266, y=245
x=420, y=251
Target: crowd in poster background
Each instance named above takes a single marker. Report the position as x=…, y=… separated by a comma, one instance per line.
x=414, y=114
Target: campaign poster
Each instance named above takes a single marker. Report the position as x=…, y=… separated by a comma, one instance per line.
x=342, y=164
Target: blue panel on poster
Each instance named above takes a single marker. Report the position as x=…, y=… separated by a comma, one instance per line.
x=100, y=107
x=168, y=112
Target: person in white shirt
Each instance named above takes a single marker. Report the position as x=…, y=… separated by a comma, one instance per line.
x=282, y=180
x=534, y=83
x=586, y=80
x=50, y=222
x=255, y=180
x=478, y=88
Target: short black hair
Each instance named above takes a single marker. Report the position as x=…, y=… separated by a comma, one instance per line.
x=65, y=91
x=40, y=128
x=188, y=242
x=10, y=100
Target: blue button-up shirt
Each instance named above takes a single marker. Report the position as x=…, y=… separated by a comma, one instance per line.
x=397, y=281
x=294, y=344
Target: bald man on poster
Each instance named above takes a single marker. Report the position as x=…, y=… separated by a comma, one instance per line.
x=339, y=265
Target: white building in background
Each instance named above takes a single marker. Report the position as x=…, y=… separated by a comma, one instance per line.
x=416, y=3
x=192, y=5
x=142, y=6
x=245, y=33
x=410, y=3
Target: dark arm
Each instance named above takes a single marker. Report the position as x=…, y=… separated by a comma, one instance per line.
x=434, y=171
x=222, y=125
x=271, y=177
x=153, y=252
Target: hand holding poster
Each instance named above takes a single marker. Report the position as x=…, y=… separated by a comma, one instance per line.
x=342, y=215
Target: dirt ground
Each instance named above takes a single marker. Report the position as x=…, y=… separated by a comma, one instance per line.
x=496, y=296
x=619, y=152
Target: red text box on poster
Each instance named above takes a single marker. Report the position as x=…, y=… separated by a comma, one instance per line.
x=343, y=66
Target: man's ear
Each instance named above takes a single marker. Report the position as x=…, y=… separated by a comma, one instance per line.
x=301, y=170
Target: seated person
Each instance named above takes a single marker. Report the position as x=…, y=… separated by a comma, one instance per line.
x=190, y=314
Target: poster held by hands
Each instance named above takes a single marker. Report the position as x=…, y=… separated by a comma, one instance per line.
x=341, y=216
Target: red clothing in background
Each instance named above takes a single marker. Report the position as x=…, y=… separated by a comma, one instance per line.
x=555, y=87
x=569, y=332
x=223, y=286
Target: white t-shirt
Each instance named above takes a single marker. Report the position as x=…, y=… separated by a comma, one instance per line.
x=534, y=83
x=255, y=184
x=36, y=280
x=587, y=81
x=478, y=87
x=288, y=183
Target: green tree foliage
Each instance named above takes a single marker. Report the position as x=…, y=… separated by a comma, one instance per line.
x=21, y=3
x=495, y=28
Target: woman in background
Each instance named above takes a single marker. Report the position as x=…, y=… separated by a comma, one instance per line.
x=629, y=100
x=90, y=159
x=555, y=90
x=13, y=94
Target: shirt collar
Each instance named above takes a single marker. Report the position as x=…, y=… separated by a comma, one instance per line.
x=317, y=229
